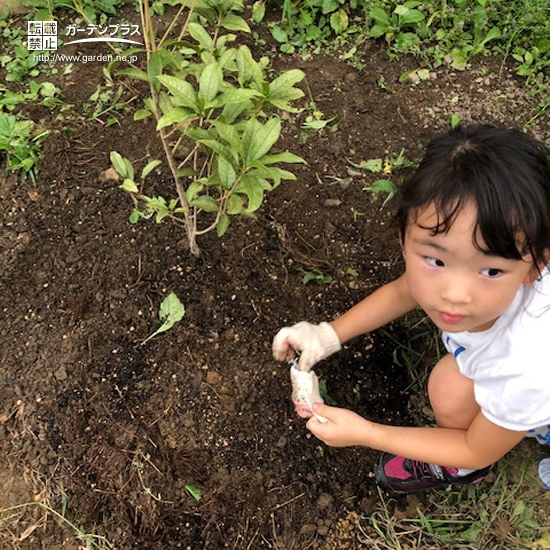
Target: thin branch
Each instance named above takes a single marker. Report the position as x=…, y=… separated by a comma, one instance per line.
x=173, y=23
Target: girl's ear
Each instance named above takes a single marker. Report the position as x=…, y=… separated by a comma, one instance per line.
x=536, y=269
x=402, y=243
x=531, y=276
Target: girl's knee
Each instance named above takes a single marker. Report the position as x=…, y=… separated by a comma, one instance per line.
x=451, y=395
x=440, y=383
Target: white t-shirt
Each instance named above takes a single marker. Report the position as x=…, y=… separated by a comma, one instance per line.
x=509, y=363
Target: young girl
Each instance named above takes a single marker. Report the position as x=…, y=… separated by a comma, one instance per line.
x=474, y=226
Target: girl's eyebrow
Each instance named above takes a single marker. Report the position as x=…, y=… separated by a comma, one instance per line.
x=440, y=248
x=433, y=244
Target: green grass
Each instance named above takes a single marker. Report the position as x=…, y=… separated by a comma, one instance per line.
x=19, y=522
x=508, y=511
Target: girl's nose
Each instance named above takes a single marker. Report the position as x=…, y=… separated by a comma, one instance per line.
x=456, y=291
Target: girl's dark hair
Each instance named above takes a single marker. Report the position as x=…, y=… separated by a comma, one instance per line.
x=505, y=173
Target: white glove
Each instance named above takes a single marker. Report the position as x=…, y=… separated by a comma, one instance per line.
x=315, y=342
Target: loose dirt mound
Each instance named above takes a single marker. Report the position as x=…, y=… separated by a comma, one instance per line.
x=127, y=427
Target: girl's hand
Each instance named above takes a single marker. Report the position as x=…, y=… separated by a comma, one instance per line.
x=343, y=429
x=315, y=342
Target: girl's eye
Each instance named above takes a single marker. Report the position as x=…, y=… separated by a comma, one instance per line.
x=434, y=262
x=491, y=272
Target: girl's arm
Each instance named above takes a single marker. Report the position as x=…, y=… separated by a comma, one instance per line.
x=379, y=308
x=316, y=342
x=482, y=444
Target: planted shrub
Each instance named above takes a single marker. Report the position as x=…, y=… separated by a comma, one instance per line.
x=216, y=113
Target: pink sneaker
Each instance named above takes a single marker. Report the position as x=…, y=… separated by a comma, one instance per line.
x=402, y=475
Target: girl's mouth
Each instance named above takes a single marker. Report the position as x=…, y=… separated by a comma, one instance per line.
x=450, y=318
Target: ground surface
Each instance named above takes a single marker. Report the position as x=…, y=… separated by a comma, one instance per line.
x=125, y=427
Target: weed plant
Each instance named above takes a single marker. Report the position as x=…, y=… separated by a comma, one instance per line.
x=449, y=32
x=15, y=58
x=92, y=10
x=20, y=143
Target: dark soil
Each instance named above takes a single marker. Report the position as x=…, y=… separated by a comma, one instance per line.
x=125, y=427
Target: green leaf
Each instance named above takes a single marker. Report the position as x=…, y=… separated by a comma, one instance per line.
x=140, y=114
x=223, y=225
x=229, y=133
x=258, y=11
x=158, y=207
x=248, y=68
x=116, y=160
x=227, y=58
x=378, y=30
x=372, y=165
x=253, y=189
x=313, y=123
x=459, y=60
x=380, y=16
x=122, y=165
x=206, y=203
x=283, y=104
x=47, y=89
x=175, y=116
x=149, y=168
x=198, y=134
x=186, y=172
x=171, y=311
x=408, y=16
x=183, y=92
x=233, y=22
x=258, y=139
x=195, y=492
x=382, y=186
x=134, y=216
x=210, y=81
x=226, y=172
x=199, y=33
x=134, y=72
x=285, y=156
x=329, y=6
x=193, y=190
x=339, y=21
x=235, y=205
x=232, y=111
x=279, y=34
x=130, y=186
x=263, y=173
x=493, y=34
x=154, y=69
x=220, y=149
x=281, y=86
x=277, y=174
x=237, y=95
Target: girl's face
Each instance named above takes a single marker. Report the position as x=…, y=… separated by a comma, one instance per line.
x=460, y=287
